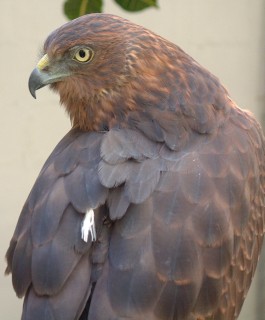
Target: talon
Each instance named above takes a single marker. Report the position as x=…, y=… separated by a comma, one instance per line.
x=88, y=226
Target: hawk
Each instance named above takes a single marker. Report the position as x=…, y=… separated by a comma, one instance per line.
x=152, y=206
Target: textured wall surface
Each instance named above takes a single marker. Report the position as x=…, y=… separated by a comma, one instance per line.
x=227, y=37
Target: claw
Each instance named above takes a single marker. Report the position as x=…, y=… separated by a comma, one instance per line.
x=88, y=226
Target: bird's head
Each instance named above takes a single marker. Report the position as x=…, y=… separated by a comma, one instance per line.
x=105, y=67
x=85, y=61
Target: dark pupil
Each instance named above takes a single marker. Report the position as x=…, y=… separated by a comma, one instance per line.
x=82, y=53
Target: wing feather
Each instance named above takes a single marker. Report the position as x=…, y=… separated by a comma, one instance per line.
x=179, y=218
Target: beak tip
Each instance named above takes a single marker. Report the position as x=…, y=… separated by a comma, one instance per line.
x=32, y=92
x=35, y=82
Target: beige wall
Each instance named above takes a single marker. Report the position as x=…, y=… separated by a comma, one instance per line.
x=227, y=36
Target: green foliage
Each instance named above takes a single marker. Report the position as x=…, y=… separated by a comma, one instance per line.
x=77, y=8
x=136, y=5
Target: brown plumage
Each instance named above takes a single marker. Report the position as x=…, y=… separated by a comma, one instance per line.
x=171, y=167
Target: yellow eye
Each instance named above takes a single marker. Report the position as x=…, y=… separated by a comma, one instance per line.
x=83, y=55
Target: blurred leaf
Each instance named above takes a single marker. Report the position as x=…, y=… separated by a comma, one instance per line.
x=136, y=5
x=77, y=8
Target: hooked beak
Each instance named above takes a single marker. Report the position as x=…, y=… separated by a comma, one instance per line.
x=37, y=80
x=41, y=76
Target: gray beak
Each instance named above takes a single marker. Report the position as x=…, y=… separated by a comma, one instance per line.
x=37, y=80
x=43, y=74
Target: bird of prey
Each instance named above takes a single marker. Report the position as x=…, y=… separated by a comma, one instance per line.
x=152, y=206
